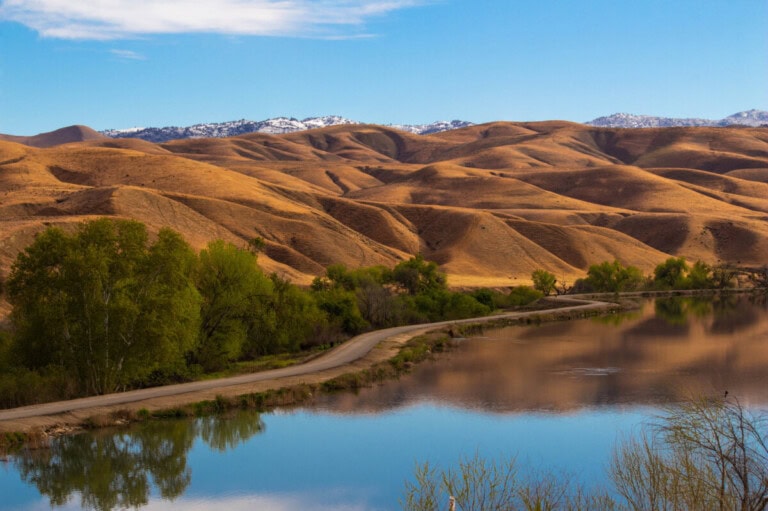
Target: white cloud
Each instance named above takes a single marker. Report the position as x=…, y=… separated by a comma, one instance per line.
x=118, y=19
x=128, y=55
x=273, y=502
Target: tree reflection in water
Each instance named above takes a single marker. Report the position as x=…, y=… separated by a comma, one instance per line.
x=117, y=469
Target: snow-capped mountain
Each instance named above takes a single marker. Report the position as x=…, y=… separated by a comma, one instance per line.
x=275, y=126
x=227, y=129
x=435, y=127
x=279, y=125
x=622, y=120
x=746, y=118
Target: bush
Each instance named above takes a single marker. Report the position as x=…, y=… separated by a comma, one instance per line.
x=701, y=455
x=478, y=484
x=704, y=454
x=21, y=387
x=521, y=296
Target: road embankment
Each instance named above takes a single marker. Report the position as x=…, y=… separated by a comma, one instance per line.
x=357, y=354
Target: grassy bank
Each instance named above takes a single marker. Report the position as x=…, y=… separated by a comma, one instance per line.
x=411, y=353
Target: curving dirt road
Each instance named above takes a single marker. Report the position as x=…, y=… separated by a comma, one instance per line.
x=343, y=355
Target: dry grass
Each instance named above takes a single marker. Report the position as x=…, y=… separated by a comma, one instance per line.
x=490, y=203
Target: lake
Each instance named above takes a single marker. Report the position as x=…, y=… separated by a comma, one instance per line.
x=555, y=396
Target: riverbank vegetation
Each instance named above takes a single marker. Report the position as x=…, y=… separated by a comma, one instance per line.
x=702, y=454
x=104, y=309
x=673, y=274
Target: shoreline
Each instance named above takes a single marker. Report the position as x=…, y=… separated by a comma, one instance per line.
x=359, y=361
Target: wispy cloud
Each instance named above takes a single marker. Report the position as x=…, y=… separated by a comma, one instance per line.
x=119, y=19
x=128, y=55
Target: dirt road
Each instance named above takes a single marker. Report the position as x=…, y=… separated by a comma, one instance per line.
x=319, y=369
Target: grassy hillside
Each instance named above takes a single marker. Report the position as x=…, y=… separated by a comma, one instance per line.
x=489, y=203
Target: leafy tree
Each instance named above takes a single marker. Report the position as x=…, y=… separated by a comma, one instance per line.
x=235, y=293
x=290, y=317
x=613, y=277
x=102, y=304
x=462, y=305
x=341, y=307
x=378, y=304
x=445, y=305
x=339, y=276
x=417, y=276
x=671, y=274
x=171, y=299
x=38, y=293
x=543, y=281
x=487, y=297
x=700, y=276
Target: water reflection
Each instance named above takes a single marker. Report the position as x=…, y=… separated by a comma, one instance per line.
x=312, y=460
x=111, y=470
x=671, y=349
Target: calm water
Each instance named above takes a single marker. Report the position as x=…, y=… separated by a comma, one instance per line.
x=556, y=396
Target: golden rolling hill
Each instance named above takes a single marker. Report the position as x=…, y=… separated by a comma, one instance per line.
x=490, y=203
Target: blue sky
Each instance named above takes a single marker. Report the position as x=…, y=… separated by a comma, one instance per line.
x=126, y=63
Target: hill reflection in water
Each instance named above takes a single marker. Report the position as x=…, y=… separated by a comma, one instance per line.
x=321, y=459
x=671, y=349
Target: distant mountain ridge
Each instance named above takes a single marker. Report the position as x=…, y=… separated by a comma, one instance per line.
x=285, y=125
x=282, y=125
x=753, y=118
x=274, y=126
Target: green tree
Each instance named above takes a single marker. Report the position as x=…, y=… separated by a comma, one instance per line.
x=170, y=299
x=671, y=274
x=378, y=304
x=701, y=276
x=487, y=297
x=543, y=281
x=342, y=309
x=417, y=276
x=234, y=296
x=613, y=277
x=103, y=304
x=289, y=319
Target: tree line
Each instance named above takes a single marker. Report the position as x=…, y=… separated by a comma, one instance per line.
x=104, y=309
x=674, y=273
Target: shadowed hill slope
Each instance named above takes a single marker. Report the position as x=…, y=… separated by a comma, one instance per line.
x=489, y=203
x=61, y=136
